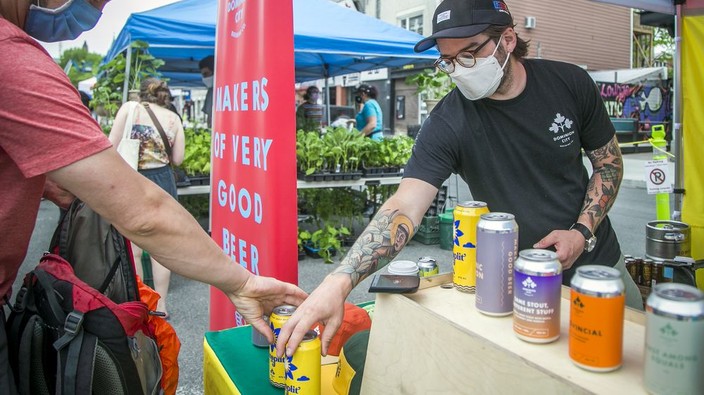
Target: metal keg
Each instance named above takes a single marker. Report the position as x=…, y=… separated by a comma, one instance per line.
x=667, y=239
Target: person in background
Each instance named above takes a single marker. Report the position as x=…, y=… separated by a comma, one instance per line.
x=154, y=161
x=514, y=130
x=369, y=120
x=309, y=115
x=49, y=145
x=207, y=72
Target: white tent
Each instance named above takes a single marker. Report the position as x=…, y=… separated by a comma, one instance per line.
x=630, y=76
x=87, y=85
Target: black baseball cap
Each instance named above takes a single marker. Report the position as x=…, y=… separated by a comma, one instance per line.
x=465, y=18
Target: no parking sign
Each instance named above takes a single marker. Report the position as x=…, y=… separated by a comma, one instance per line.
x=659, y=176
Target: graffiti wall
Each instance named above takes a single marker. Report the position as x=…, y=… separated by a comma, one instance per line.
x=651, y=103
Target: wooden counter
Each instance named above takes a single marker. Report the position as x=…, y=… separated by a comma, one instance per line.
x=436, y=342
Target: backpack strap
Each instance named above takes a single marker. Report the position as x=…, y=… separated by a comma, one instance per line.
x=73, y=336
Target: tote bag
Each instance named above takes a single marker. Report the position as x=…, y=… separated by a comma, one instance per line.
x=129, y=147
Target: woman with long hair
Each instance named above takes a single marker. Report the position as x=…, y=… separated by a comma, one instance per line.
x=154, y=158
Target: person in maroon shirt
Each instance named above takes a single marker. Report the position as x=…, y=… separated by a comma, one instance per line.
x=48, y=138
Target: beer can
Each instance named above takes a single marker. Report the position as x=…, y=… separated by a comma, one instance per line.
x=427, y=266
x=647, y=274
x=537, y=295
x=258, y=339
x=632, y=268
x=464, y=248
x=674, y=341
x=497, y=250
x=303, y=367
x=277, y=371
x=657, y=273
x=598, y=301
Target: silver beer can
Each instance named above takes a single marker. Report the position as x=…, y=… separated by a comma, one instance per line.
x=258, y=339
x=674, y=340
x=427, y=266
x=497, y=250
x=536, y=298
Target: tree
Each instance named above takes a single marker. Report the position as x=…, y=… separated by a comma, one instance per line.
x=84, y=64
x=664, y=46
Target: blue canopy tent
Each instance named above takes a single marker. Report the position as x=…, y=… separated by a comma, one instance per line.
x=329, y=40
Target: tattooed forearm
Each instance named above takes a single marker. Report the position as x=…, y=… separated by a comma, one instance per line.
x=604, y=183
x=380, y=242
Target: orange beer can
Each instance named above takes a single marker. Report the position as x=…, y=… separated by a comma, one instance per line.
x=464, y=248
x=598, y=302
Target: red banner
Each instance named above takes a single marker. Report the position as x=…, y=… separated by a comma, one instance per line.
x=253, y=181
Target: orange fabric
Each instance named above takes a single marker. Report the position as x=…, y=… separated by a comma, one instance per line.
x=355, y=319
x=166, y=340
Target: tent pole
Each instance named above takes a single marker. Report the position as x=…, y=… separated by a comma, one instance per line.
x=327, y=95
x=677, y=116
x=126, y=84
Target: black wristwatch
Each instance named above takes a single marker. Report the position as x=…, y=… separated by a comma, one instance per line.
x=589, y=238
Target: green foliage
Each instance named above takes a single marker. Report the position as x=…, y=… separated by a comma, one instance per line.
x=326, y=204
x=85, y=63
x=196, y=158
x=342, y=150
x=664, y=45
x=309, y=152
x=389, y=152
x=108, y=91
x=327, y=240
x=433, y=83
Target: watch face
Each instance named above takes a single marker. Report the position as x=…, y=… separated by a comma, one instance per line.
x=590, y=244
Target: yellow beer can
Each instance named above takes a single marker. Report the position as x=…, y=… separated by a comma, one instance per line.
x=464, y=227
x=278, y=318
x=303, y=367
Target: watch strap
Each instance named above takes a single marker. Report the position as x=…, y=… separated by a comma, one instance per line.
x=581, y=228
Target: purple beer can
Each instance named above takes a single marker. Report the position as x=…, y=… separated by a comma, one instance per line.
x=536, y=300
x=497, y=250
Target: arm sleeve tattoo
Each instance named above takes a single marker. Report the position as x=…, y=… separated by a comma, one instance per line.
x=387, y=233
x=605, y=182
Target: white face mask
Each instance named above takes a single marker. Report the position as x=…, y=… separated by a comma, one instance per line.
x=208, y=81
x=483, y=79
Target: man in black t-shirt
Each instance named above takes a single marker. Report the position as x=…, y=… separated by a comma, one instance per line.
x=514, y=130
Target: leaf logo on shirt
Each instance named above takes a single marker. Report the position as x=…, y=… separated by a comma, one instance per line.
x=561, y=128
x=560, y=124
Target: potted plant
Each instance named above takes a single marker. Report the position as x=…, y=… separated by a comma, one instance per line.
x=107, y=93
x=432, y=85
x=325, y=242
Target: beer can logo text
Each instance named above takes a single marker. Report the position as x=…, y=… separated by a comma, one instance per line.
x=533, y=308
x=586, y=331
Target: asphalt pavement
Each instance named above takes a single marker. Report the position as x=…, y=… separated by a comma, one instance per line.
x=188, y=300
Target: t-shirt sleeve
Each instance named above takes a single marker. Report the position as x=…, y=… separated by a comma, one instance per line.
x=43, y=123
x=597, y=129
x=434, y=153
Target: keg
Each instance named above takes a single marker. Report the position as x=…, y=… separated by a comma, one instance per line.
x=666, y=239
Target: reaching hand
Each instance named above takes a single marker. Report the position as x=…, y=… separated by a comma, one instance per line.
x=568, y=244
x=259, y=295
x=326, y=304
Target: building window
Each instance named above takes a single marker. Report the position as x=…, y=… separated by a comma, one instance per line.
x=413, y=23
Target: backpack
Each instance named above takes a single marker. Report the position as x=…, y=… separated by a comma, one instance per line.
x=80, y=327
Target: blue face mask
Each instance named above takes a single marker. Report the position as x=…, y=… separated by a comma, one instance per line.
x=64, y=23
